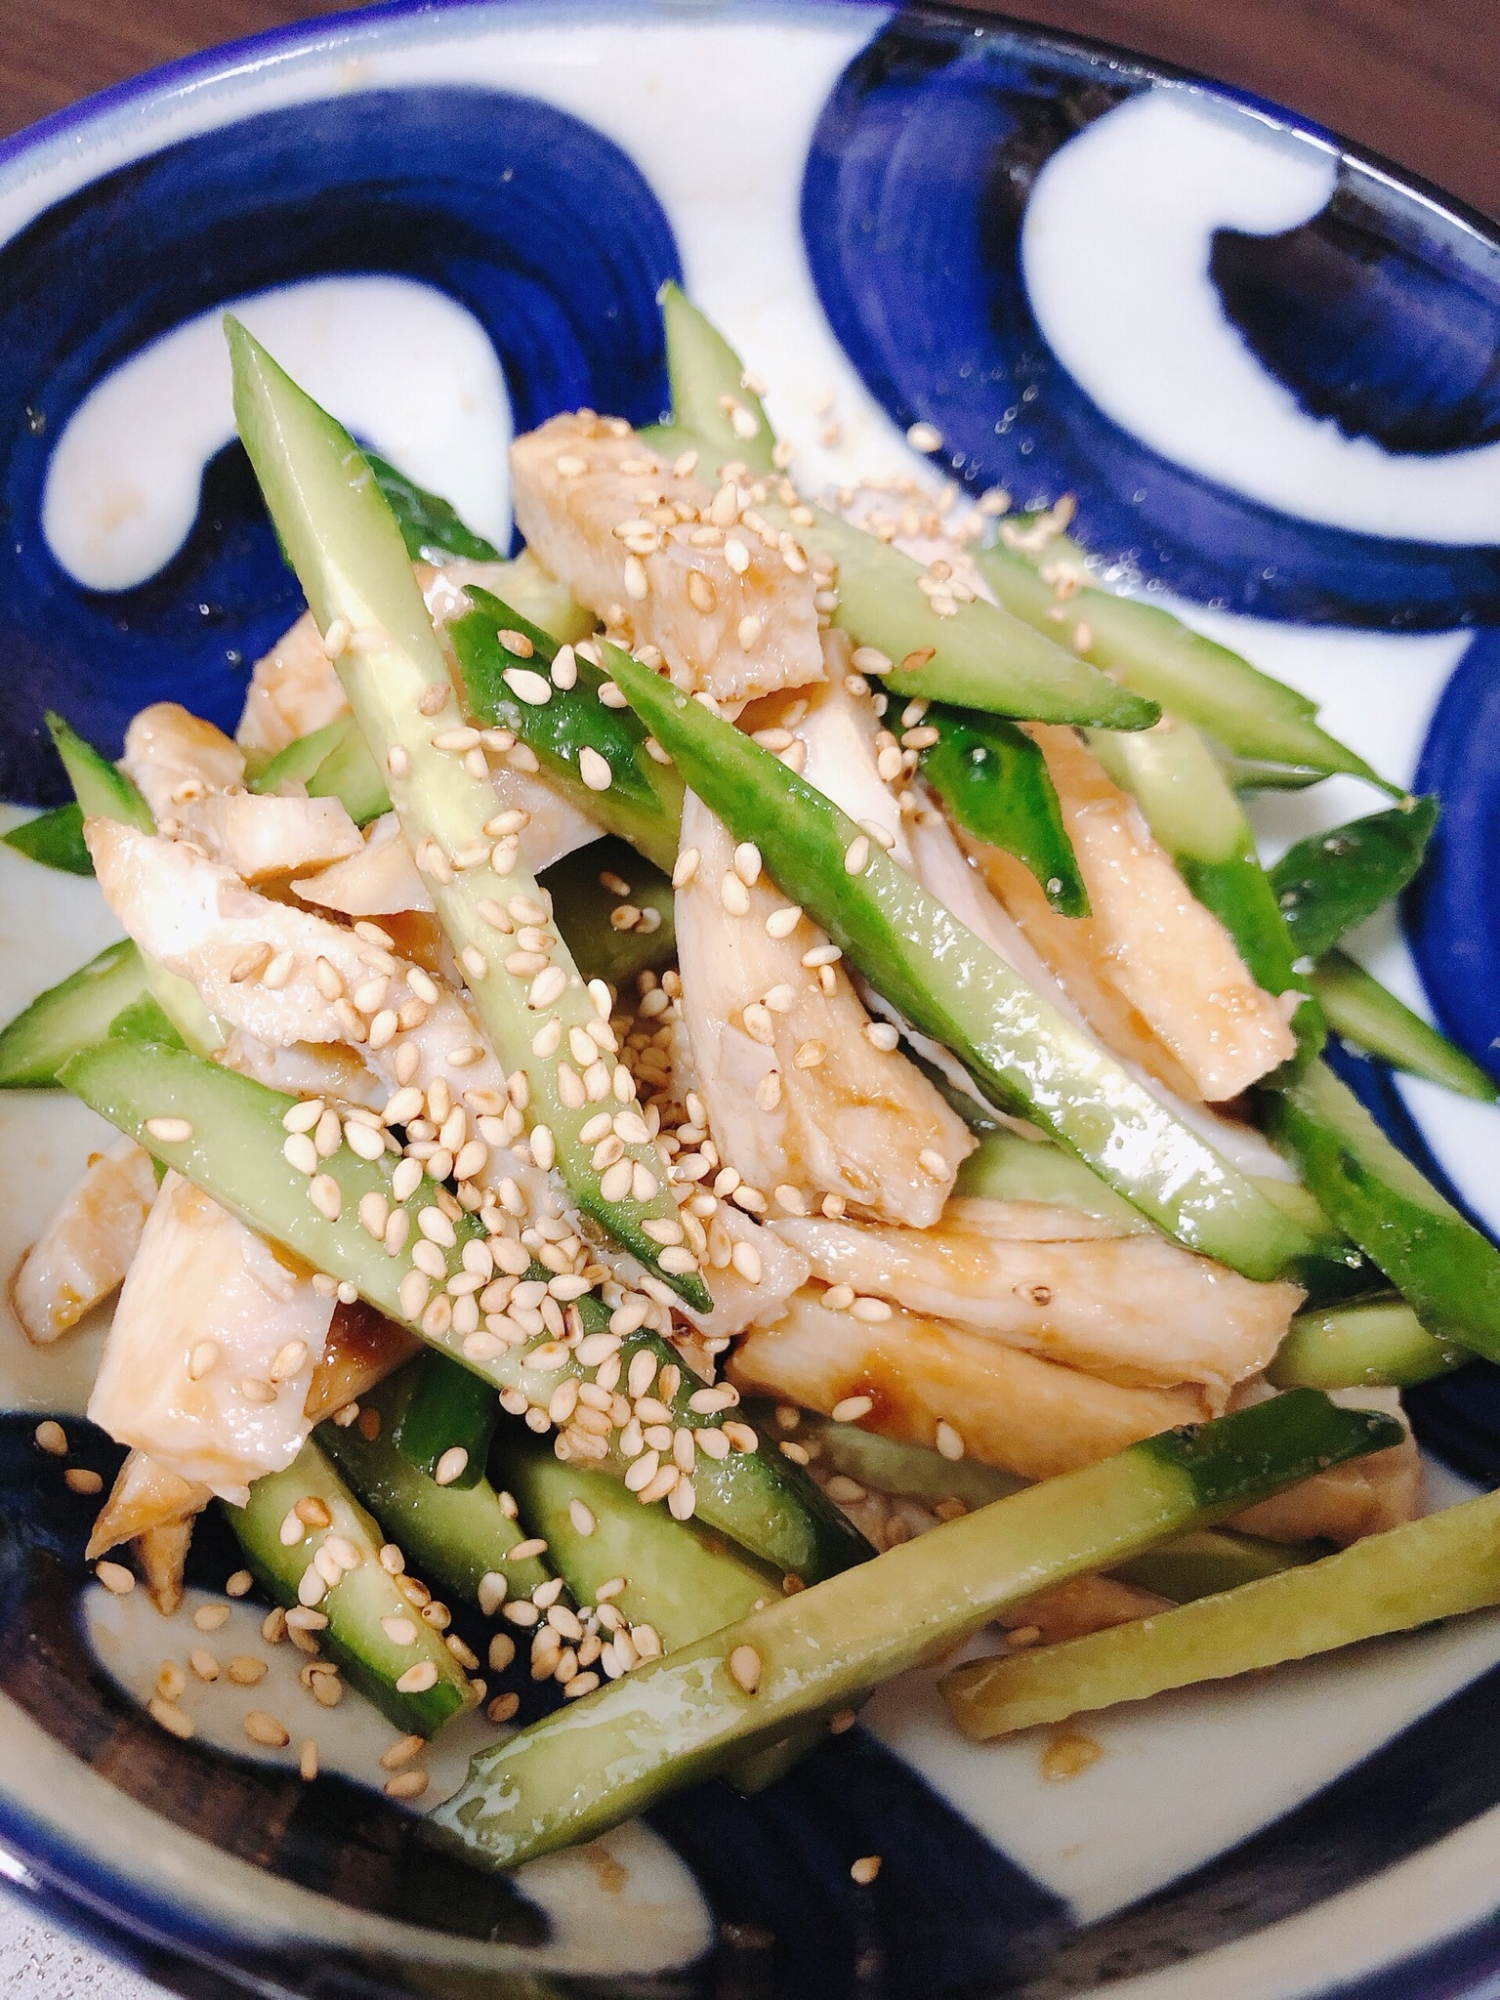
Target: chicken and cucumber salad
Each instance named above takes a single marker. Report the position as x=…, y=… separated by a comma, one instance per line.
x=732, y=1095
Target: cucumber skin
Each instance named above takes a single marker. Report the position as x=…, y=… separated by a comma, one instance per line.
x=1363, y=1012
x=643, y=804
x=1329, y=882
x=994, y=781
x=371, y=1662
x=70, y=1016
x=446, y=1404
x=102, y=791
x=1440, y=1263
x=701, y=367
x=676, y=1720
x=1022, y=1055
x=1438, y=1567
x=55, y=839
x=430, y=526
x=455, y=1534
x=1377, y=1344
x=762, y=1501
x=581, y=908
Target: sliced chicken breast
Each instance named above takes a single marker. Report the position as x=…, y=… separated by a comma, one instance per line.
x=293, y=691
x=174, y=759
x=85, y=1250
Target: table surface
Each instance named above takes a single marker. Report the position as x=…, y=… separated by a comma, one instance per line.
x=1417, y=80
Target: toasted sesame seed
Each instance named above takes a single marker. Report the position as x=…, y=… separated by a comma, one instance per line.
x=949, y=1443
x=870, y=1310
x=881, y=1035
x=171, y=1131
x=265, y=1729
x=547, y=988
x=167, y=1715
x=933, y=1163
x=79, y=1480
x=809, y=1054
x=734, y=896
x=326, y=1196
x=745, y=1666
x=748, y=632
x=117, y=1580
x=867, y=1867
x=594, y=770
x=849, y=1409
x=417, y=1679
x=821, y=955
x=857, y=855
x=52, y=1438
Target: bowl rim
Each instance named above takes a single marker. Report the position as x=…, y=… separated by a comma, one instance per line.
x=69, y=1878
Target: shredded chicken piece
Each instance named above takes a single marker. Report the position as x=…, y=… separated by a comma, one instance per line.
x=208, y=1362
x=174, y=759
x=86, y=1248
x=293, y=691
x=163, y=1558
x=1147, y=939
x=729, y=627
x=796, y=1091
x=1011, y=1409
x=1136, y=1310
x=1036, y=1221
x=362, y=1348
x=380, y=880
x=261, y=836
x=146, y=1495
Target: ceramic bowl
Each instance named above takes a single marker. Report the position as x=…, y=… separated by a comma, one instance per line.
x=1263, y=362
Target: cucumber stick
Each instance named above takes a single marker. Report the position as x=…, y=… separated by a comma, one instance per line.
x=1022, y=1054
x=1193, y=679
x=1376, y=1344
x=995, y=783
x=643, y=801
x=357, y=1605
x=1190, y=806
x=707, y=383
x=1433, y=1568
x=1190, y=1565
x=1361, y=1010
x=69, y=1016
x=346, y=548
x=55, y=839
x=684, y=1717
x=679, y=1578
x=1332, y=881
x=447, y=1409
x=235, y=1154
x=456, y=1535
x=585, y=910
x=1447, y=1272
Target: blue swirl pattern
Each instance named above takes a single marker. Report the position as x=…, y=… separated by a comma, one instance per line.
x=535, y=222
x=1380, y=313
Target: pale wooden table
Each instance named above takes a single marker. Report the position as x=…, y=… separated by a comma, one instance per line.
x=1418, y=80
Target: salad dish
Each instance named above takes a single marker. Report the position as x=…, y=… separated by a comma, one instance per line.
x=697, y=1121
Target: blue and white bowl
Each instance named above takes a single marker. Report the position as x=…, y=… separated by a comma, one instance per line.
x=1265, y=365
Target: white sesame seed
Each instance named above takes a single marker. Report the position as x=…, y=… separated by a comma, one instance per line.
x=867, y=1867
x=171, y=1131
x=547, y=988
x=933, y=1163
x=745, y=1667
x=872, y=1311
x=117, y=1580
x=881, y=1035
x=857, y=855
x=452, y=1465
x=418, y=1679
x=594, y=770
x=637, y=583
x=326, y=1196
x=748, y=632
x=949, y=1443
x=543, y=1145
x=202, y=1360
x=849, y=1409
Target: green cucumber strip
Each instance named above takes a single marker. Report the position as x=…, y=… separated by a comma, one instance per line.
x=55, y=839
x=1193, y=679
x=1433, y=1568
x=1004, y=1166
x=235, y=1155
x=430, y=527
x=354, y=1607
x=1191, y=808
x=447, y=1407
x=102, y=792
x=333, y=762
x=584, y=908
x=69, y=1016
x=456, y=1535
x=1375, y=1344
x=681, y=1579
x=348, y=554
x=1447, y=1272
x=643, y=802
x=1332, y=881
x=300, y=761
x=1248, y=776
x=681, y=1718
x=707, y=383
x=145, y=1020
x=979, y=658
x=350, y=774
x=994, y=781
x=1365, y=1013
x=1207, y=1560
x=1021, y=1054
